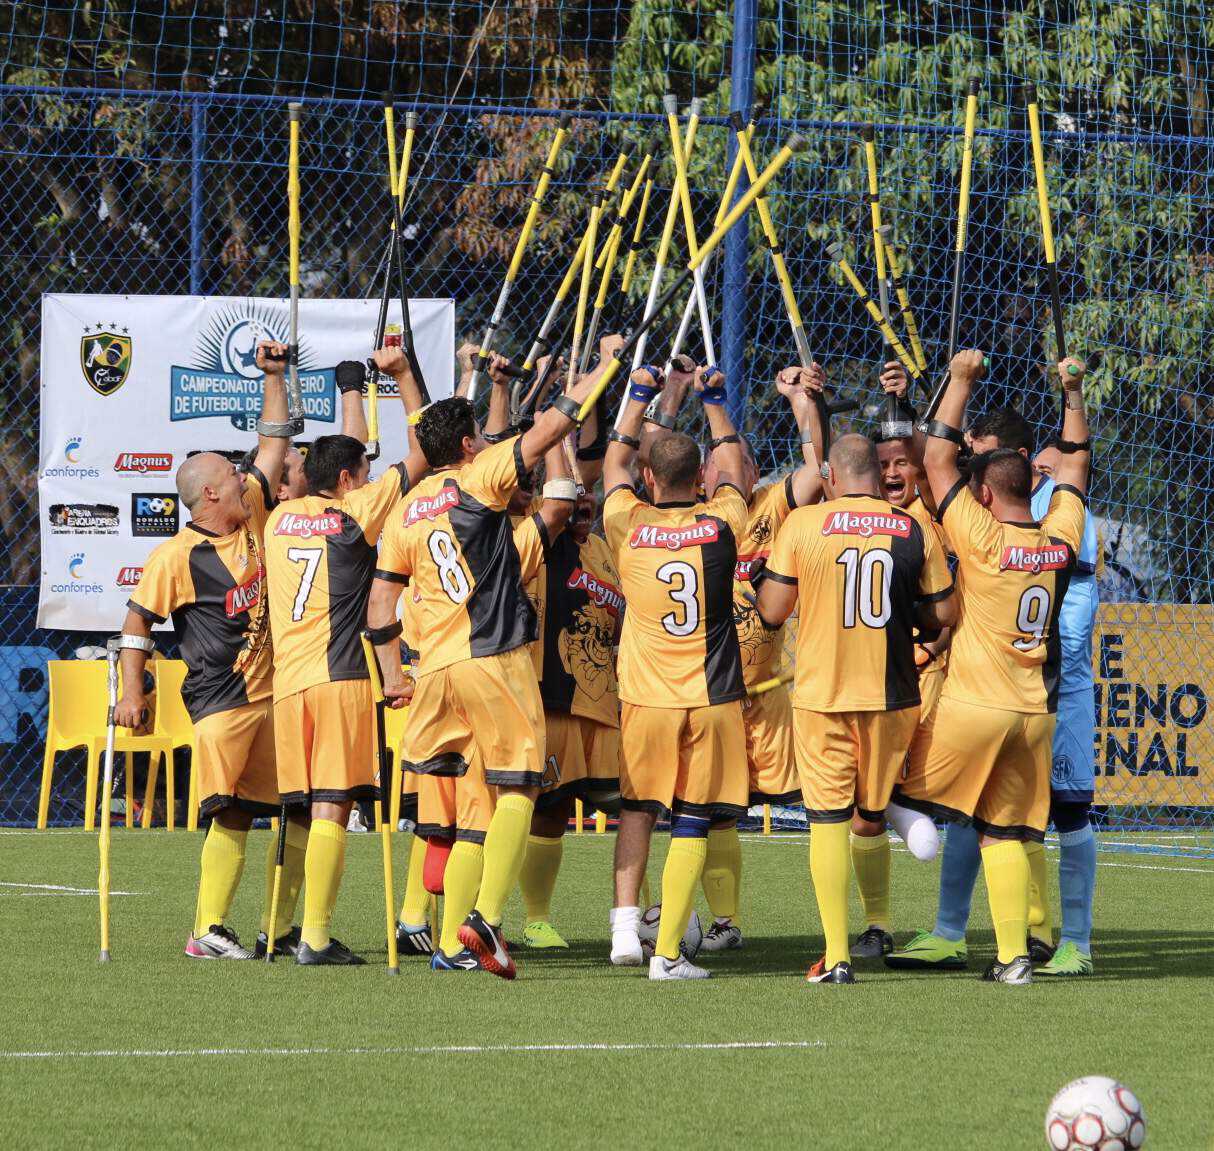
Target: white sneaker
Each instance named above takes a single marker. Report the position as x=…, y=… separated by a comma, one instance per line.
x=722, y=936
x=662, y=968
x=626, y=949
x=218, y=943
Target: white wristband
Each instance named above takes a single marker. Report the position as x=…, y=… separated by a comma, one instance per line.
x=560, y=490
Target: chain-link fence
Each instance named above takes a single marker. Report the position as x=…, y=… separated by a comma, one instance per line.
x=112, y=182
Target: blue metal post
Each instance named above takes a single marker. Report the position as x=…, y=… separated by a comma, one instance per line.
x=737, y=243
x=198, y=143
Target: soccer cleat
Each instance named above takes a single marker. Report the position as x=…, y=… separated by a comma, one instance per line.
x=542, y=936
x=722, y=937
x=820, y=973
x=931, y=952
x=460, y=961
x=336, y=954
x=486, y=942
x=1067, y=960
x=873, y=943
x=661, y=968
x=284, y=945
x=218, y=943
x=1040, y=950
x=1018, y=972
x=414, y=940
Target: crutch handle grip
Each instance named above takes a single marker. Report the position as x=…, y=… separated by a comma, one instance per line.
x=1030, y=92
x=736, y=121
x=294, y=111
x=565, y=120
x=842, y=407
x=975, y=85
x=868, y=133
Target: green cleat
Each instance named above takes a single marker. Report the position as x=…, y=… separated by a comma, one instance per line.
x=1068, y=960
x=930, y=952
x=542, y=936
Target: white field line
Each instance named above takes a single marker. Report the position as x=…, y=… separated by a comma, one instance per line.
x=57, y=889
x=459, y=1049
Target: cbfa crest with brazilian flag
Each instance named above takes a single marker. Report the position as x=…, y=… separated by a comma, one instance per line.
x=105, y=357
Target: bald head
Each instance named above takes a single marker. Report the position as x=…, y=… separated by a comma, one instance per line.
x=855, y=465
x=207, y=469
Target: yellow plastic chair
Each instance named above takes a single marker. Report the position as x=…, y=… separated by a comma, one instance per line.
x=172, y=723
x=76, y=718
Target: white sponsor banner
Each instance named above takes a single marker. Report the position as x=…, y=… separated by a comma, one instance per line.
x=132, y=385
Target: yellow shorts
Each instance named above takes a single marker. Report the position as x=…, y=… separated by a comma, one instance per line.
x=236, y=759
x=326, y=743
x=678, y=760
x=984, y=766
x=773, y=770
x=931, y=683
x=850, y=760
x=455, y=808
x=487, y=708
x=408, y=796
x=580, y=753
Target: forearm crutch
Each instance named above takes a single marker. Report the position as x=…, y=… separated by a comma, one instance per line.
x=384, y=766
x=112, y=648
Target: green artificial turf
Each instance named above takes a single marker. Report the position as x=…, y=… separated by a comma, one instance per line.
x=353, y=1058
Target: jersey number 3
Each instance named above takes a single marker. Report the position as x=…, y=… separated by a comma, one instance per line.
x=686, y=619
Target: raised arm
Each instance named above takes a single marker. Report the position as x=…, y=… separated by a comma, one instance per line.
x=497, y=422
x=1076, y=442
x=665, y=413
x=465, y=356
x=724, y=446
x=351, y=377
x=272, y=450
x=624, y=441
x=393, y=362
x=560, y=492
x=796, y=384
x=944, y=432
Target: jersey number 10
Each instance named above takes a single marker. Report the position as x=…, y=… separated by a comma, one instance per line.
x=866, y=582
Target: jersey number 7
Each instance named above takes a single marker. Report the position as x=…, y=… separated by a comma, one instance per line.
x=310, y=558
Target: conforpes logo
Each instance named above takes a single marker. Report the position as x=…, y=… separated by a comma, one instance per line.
x=224, y=379
x=154, y=514
x=70, y=449
x=141, y=463
x=105, y=357
x=79, y=584
x=73, y=469
x=83, y=519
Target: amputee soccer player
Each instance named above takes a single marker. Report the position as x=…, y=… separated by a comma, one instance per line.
x=861, y=573
x=903, y=485
x=680, y=669
x=476, y=688
x=1073, y=776
x=767, y=718
x=984, y=756
x=320, y=558
x=211, y=579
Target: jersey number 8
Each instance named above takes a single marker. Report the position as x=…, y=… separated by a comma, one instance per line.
x=450, y=572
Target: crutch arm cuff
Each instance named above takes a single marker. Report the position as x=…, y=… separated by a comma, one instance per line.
x=133, y=642
x=385, y=634
x=939, y=430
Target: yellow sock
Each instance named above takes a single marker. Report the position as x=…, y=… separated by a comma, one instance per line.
x=417, y=898
x=830, y=868
x=537, y=879
x=505, y=846
x=292, y=878
x=1041, y=922
x=680, y=878
x=723, y=872
x=1006, y=868
x=323, y=866
x=461, y=882
x=870, y=859
x=222, y=865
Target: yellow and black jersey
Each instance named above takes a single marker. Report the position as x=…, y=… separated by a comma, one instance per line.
x=532, y=542
x=214, y=587
x=860, y=566
x=760, y=646
x=320, y=557
x=679, y=647
x=581, y=610
x=1011, y=580
x=452, y=543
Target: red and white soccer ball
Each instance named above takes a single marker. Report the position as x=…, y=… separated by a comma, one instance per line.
x=647, y=929
x=1095, y=1113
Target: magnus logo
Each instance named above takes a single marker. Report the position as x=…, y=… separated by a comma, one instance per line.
x=128, y=577
x=430, y=509
x=140, y=463
x=243, y=597
x=78, y=584
x=673, y=539
x=1034, y=560
x=742, y=568
x=866, y=524
x=601, y=593
x=305, y=527
x=71, y=453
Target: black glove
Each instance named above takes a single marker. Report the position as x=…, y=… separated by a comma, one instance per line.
x=351, y=376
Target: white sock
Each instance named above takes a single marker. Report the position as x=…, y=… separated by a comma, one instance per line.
x=625, y=919
x=916, y=830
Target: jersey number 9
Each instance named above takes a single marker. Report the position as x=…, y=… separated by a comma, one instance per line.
x=1032, y=618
